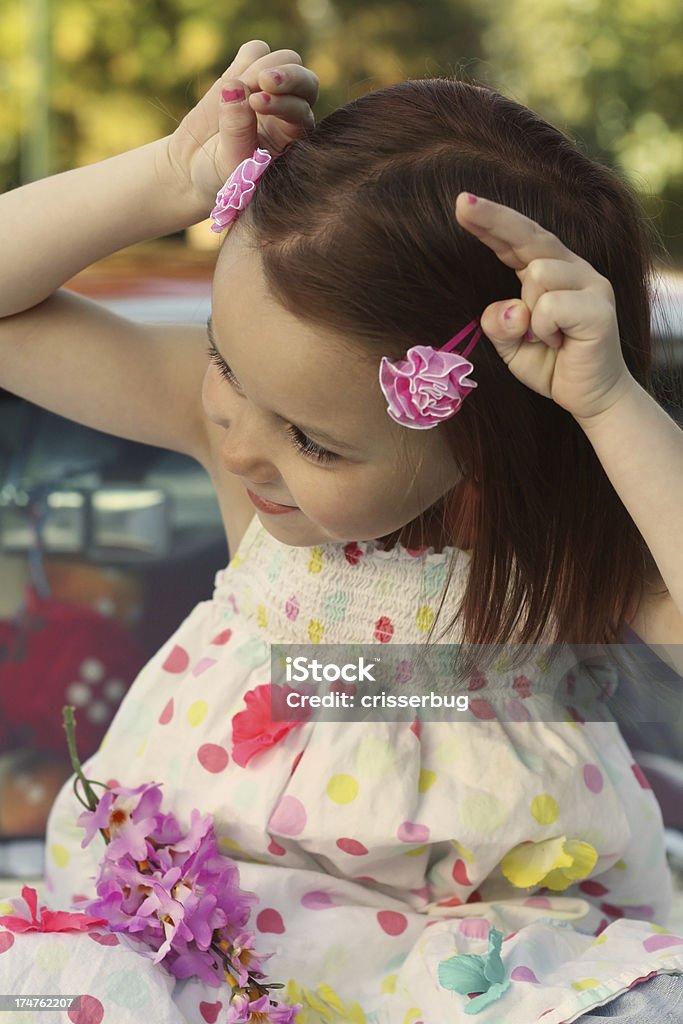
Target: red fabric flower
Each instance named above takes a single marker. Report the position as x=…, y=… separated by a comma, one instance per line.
x=254, y=730
x=49, y=920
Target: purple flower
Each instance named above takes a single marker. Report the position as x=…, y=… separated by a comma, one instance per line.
x=241, y=1009
x=128, y=816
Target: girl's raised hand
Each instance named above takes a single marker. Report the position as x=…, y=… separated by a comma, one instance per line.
x=561, y=338
x=216, y=135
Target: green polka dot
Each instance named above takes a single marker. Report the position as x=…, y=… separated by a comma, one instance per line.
x=545, y=809
x=196, y=713
x=375, y=758
x=448, y=751
x=127, y=989
x=483, y=813
x=342, y=789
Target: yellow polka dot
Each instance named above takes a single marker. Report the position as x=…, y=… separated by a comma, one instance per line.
x=545, y=809
x=6, y=908
x=235, y=560
x=104, y=740
x=389, y=984
x=196, y=713
x=424, y=618
x=141, y=749
x=415, y=852
x=226, y=843
x=342, y=789
x=543, y=662
x=657, y=928
x=448, y=751
x=599, y=941
x=315, y=562
x=60, y=855
x=426, y=780
x=375, y=758
x=465, y=854
x=412, y=1015
x=385, y=584
x=621, y=865
x=585, y=983
x=261, y=619
x=502, y=664
x=483, y=812
x=315, y=631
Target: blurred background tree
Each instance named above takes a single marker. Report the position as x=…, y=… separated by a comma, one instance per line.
x=84, y=79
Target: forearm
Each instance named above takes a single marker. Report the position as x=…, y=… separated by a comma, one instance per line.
x=52, y=228
x=641, y=450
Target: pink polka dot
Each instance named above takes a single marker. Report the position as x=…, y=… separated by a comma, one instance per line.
x=416, y=727
x=384, y=630
x=523, y=973
x=177, y=661
x=269, y=920
x=90, y=1011
x=538, y=901
x=654, y=942
x=639, y=981
x=289, y=817
x=474, y=927
x=276, y=849
x=351, y=846
x=295, y=763
x=601, y=927
x=202, y=666
x=352, y=553
x=482, y=709
x=317, y=900
x=640, y=775
x=212, y=757
x=167, y=714
x=6, y=941
x=611, y=910
x=210, y=1011
x=223, y=637
x=391, y=922
x=593, y=888
x=454, y=901
x=424, y=893
x=477, y=681
x=365, y=878
x=460, y=873
x=292, y=608
x=411, y=832
x=517, y=712
x=104, y=938
x=592, y=776
x=575, y=715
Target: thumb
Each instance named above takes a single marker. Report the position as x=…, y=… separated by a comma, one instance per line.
x=505, y=324
x=237, y=125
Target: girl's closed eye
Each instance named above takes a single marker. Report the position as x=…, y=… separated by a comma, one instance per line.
x=300, y=441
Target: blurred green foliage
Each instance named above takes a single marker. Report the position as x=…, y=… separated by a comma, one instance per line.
x=122, y=73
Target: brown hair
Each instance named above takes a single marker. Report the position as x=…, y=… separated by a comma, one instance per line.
x=356, y=228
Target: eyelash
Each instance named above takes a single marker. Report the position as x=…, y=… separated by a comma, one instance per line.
x=300, y=441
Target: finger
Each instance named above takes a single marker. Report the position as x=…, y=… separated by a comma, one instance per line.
x=249, y=52
x=514, y=238
x=285, y=108
x=289, y=79
x=543, y=275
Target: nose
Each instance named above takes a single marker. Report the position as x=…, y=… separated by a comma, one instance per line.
x=244, y=448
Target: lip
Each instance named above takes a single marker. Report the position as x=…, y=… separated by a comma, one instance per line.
x=270, y=506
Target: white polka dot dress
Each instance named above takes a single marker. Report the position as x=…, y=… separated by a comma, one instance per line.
x=381, y=851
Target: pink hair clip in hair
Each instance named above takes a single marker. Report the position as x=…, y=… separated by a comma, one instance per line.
x=430, y=384
x=238, y=190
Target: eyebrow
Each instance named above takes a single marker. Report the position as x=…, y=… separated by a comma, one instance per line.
x=314, y=432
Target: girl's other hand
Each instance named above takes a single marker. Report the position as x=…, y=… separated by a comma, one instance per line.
x=561, y=338
x=216, y=135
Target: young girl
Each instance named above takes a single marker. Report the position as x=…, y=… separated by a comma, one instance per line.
x=524, y=488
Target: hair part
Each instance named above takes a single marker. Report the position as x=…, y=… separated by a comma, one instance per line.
x=355, y=224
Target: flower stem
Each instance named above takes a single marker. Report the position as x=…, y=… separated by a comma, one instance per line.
x=70, y=728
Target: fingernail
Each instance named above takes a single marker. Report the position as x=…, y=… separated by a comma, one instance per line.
x=471, y=199
x=265, y=97
x=529, y=336
x=276, y=76
x=232, y=95
x=509, y=312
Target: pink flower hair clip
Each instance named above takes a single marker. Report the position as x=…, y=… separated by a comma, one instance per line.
x=238, y=190
x=430, y=384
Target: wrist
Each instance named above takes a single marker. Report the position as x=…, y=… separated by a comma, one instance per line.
x=622, y=393
x=177, y=189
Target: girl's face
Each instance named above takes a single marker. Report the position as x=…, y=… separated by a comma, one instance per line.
x=305, y=422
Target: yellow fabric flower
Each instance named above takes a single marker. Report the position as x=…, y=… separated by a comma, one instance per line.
x=323, y=1006
x=554, y=863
